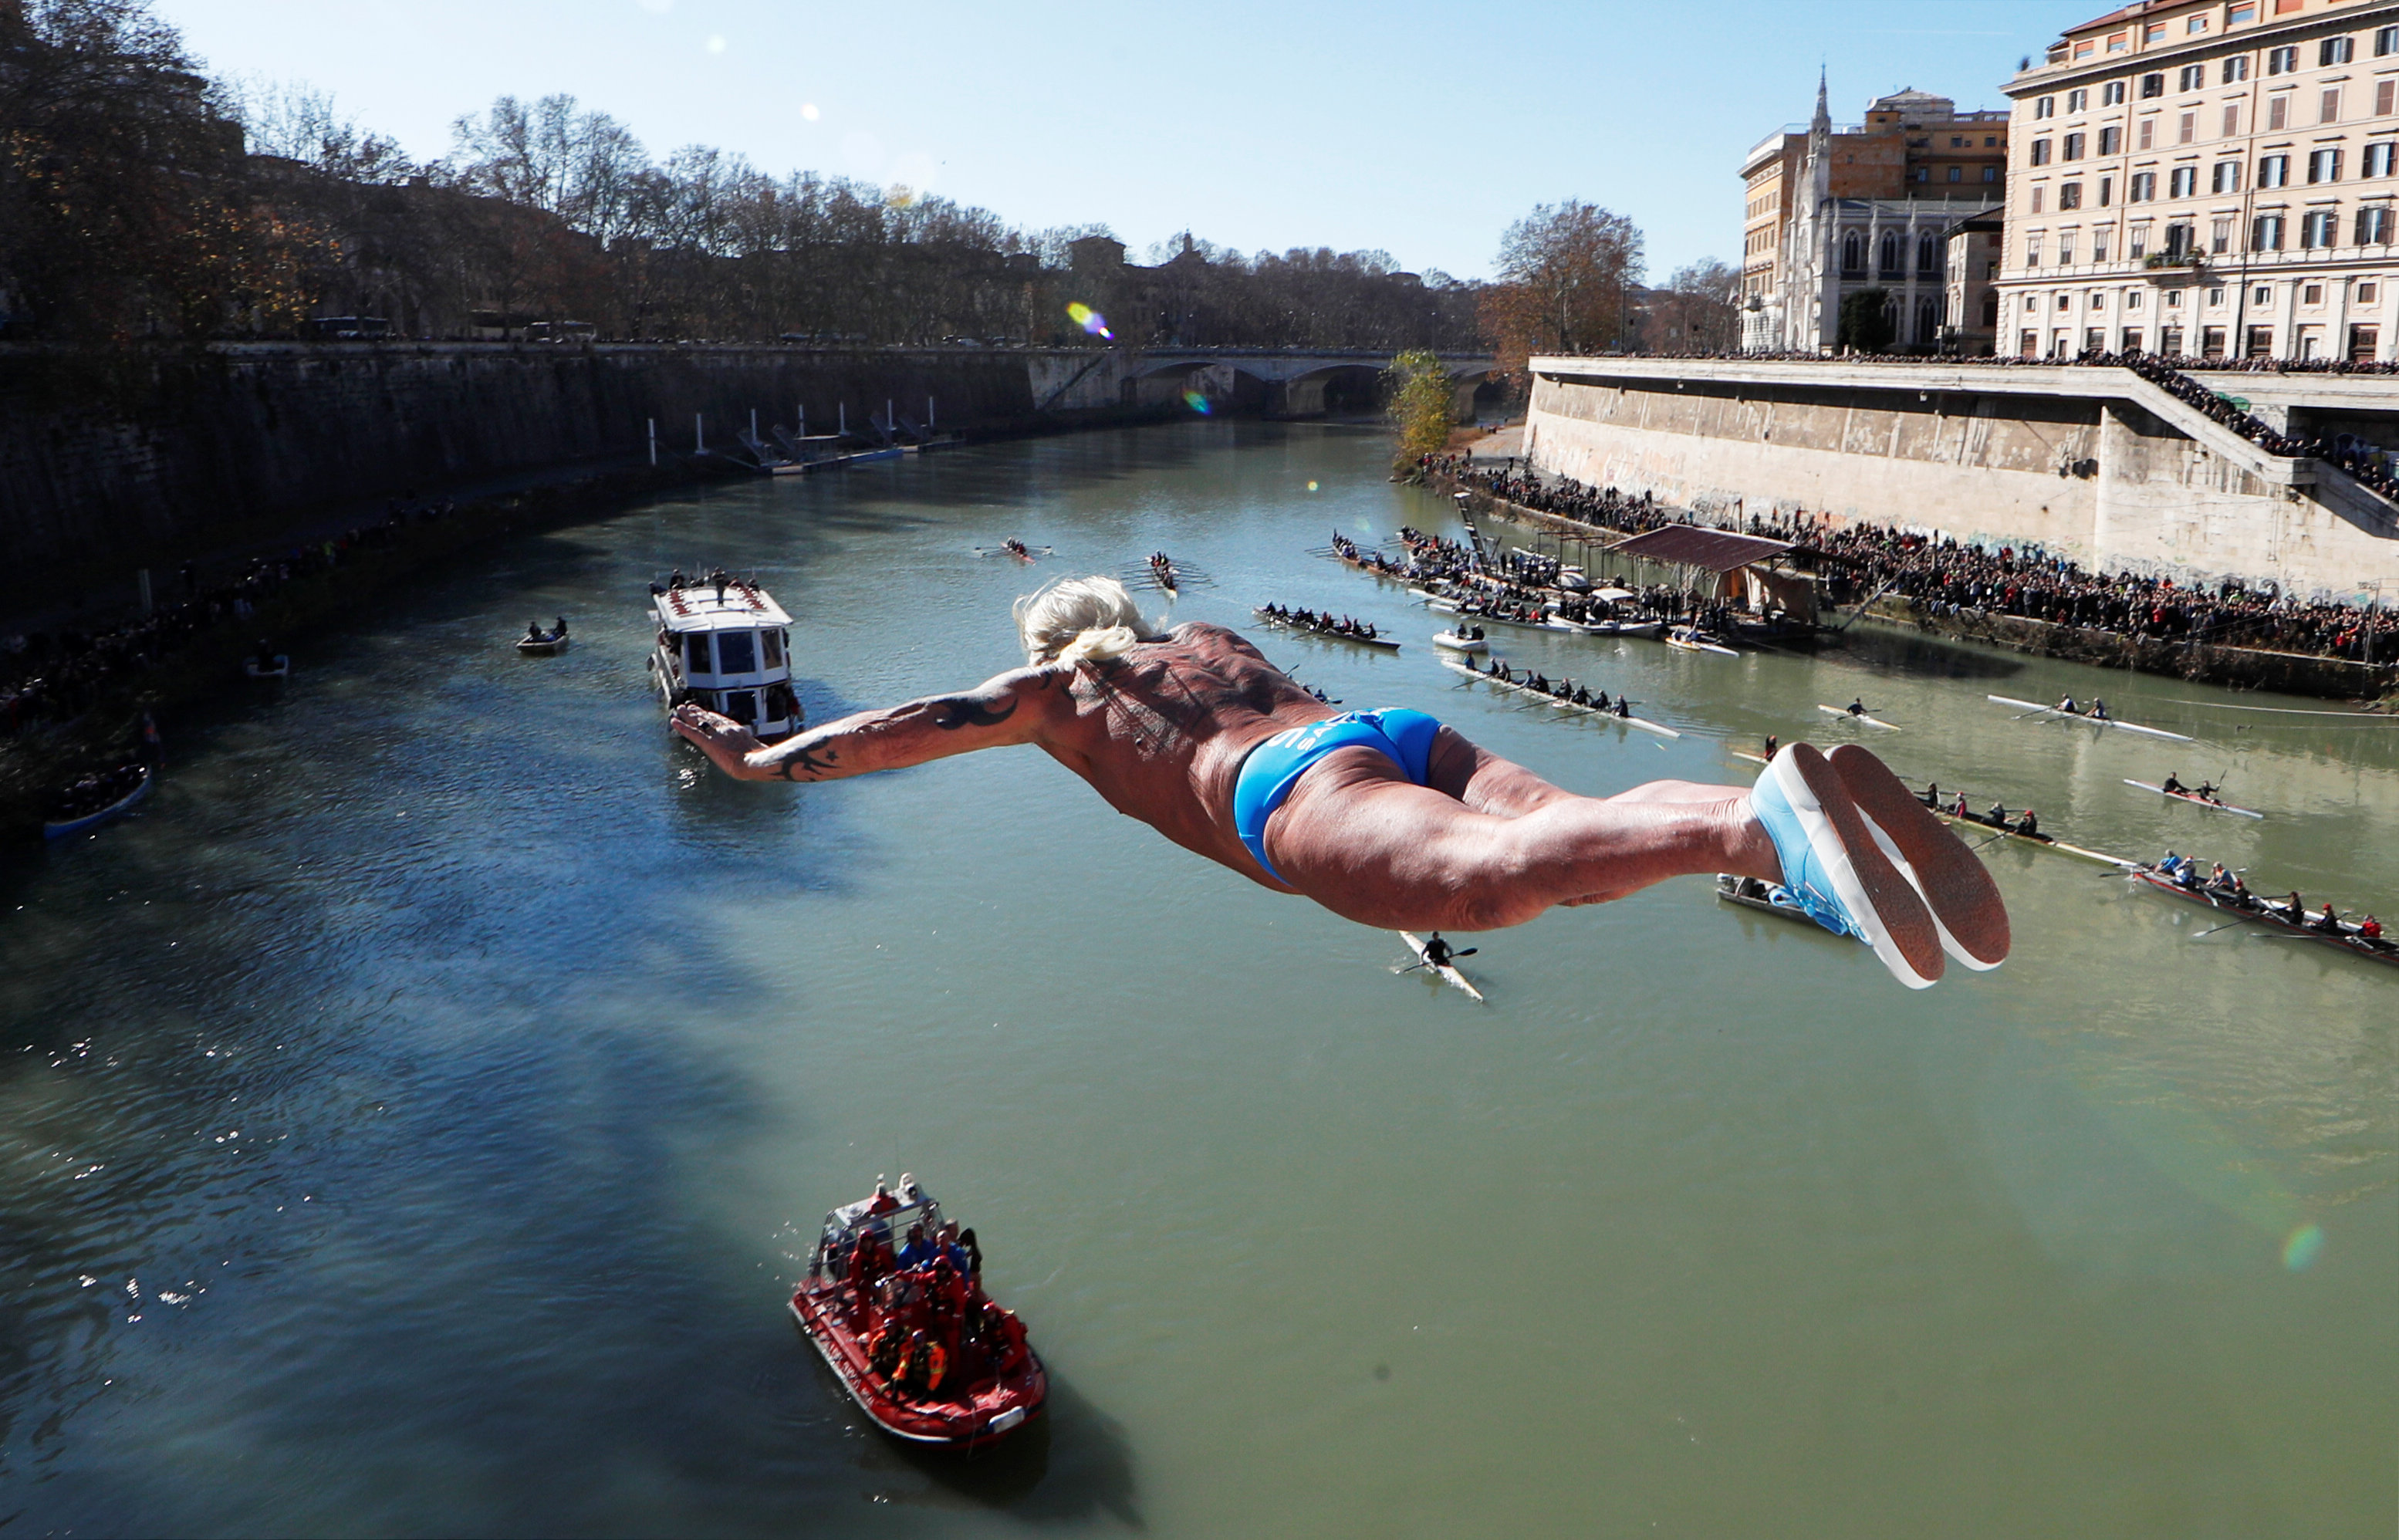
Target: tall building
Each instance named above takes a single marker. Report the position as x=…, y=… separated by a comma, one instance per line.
x=2206, y=178
x=1831, y=211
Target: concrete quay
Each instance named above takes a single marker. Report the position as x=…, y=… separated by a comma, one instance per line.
x=2093, y=463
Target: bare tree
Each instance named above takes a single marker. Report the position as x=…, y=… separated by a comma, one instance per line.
x=1565, y=273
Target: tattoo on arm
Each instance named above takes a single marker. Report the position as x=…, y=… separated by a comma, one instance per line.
x=808, y=764
x=952, y=712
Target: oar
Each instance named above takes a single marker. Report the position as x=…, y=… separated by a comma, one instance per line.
x=1423, y=963
x=2227, y=926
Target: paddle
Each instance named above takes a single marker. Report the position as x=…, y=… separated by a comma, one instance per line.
x=1422, y=963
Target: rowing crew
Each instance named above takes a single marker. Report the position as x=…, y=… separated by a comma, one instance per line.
x=1565, y=689
x=2027, y=823
x=1308, y=620
x=2097, y=713
x=2184, y=872
x=535, y=633
x=2204, y=790
x=1017, y=549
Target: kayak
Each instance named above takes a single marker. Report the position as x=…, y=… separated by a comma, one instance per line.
x=1448, y=974
x=2209, y=802
x=1855, y=716
x=1691, y=639
x=2034, y=707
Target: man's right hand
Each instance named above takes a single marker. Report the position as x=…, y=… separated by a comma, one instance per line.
x=726, y=743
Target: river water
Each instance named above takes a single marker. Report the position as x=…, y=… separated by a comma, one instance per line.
x=414, y=1114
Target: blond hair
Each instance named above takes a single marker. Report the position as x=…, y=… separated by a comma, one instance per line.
x=1072, y=621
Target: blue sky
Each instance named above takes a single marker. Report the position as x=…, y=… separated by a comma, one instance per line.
x=1420, y=130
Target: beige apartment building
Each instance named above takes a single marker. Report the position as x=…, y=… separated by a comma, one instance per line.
x=2208, y=178
x=1828, y=210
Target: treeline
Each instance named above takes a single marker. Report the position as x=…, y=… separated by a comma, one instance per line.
x=140, y=199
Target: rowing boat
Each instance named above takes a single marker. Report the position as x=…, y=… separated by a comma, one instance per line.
x=60, y=828
x=2034, y=707
x=1692, y=640
x=2346, y=937
x=1777, y=900
x=1304, y=629
x=2043, y=841
x=1458, y=643
x=1548, y=699
x=1448, y=974
x=1847, y=715
x=2195, y=798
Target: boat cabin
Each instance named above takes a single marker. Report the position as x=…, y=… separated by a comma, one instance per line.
x=726, y=647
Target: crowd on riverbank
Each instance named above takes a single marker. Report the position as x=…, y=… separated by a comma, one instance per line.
x=1941, y=571
x=52, y=677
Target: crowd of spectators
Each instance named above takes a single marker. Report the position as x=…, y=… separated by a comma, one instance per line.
x=1861, y=558
x=53, y=676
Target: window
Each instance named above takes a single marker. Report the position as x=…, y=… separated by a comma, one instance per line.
x=2037, y=193
x=2335, y=50
x=1854, y=258
x=2132, y=340
x=2236, y=69
x=2261, y=341
x=2274, y=171
x=2143, y=188
x=2028, y=344
x=2323, y=165
x=1990, y=141
x=2187, y=129
x=2312, y=294
x=2361, y=344
x=2098, y=300
x=2077, y=100
x=2074, y=143
x=1957, y=173
x=2173, y=299
x=2112, y=93
x=2373, y=229
x=1890, y=266
x=1991, y=311
x=2118, y=42
x=2210, y=341
x=2094, y=340
x=2170, y=341
x=2377, y=162
x=2193, y=77
x=2215, y=299
x=2032, y=251
x=695, y=655
x=2154, y=32
x=2070, y=196
x=736, y=651
x=2384, y=98
x=1928, y=255
x=2317, y=227
x=2183, y=182
x=2138, y=245
x=2111, y=141
x=2228, y=177
x=2386, y=42
x=2282, y=61
x=2219, y=237
x=2264, y=295
x=771, y=644
x=2196, y=25
x=2153, y=85
x=1990, y=173
x=2107, y=191
x=2065, y=301
x=2066, y=248
x=2231, y=120
x=2041, y=152
x=2246, y=11
x=1923, y=173
x=2266, y=234
x=2045, y=107
x=2277, y=113
x=2365, y=293
x=2099, y=245
x=2133, y=300
x=2179, y=240
x=2328, y=109
x=2146, y=136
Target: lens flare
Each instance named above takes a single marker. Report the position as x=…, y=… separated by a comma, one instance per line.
x=1090, y=321
x=1311, y=486
x=1196, y=401
x=808, y=110
x=2300, y=1252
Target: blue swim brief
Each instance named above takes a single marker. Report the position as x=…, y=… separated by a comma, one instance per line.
x=1274, y=767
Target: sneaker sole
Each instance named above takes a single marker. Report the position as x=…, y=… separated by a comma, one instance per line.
x=1887, y=906
x=1957, y=889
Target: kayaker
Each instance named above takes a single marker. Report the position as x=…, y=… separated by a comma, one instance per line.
x=2173, y=787
x=2205, y=791
x=2027, y=823
x=1387, y=817
x=1436, y=952
x=1858, y=706
x=2065, y=704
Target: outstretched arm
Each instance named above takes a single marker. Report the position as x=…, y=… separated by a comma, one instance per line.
x=1008, y=709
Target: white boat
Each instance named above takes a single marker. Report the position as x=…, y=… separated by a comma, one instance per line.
x=1636, y=628
x=1448, y=974
x=1847, y=715
x=1763, y=897
x=545, y=644
x=1692, y=640
x=726, y=647
x=2195, y=798
x=1548, y=700
x=2034, y=707
x=279, y=668
x=1457, y=643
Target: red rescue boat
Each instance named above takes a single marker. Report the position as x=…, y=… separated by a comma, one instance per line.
x=910, y=1332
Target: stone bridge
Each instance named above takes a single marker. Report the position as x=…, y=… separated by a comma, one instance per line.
x=1277, y=383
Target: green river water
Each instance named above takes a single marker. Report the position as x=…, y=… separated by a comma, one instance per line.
x=413, y=1117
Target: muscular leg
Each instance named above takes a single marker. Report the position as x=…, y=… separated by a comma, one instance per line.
x=1356, y=837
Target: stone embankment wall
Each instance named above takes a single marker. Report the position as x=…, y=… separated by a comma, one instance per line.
x=2055, y=458
x=184, y=448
